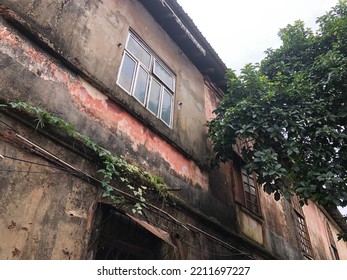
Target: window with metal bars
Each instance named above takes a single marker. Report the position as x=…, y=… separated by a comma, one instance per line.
x=144, y=76
x=305, y=242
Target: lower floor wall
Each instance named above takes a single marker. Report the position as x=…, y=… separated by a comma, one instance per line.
x=48, y=211
x=45, y=211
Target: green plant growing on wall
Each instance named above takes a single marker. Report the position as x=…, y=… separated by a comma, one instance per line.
x=157, y=183
x=113, y=167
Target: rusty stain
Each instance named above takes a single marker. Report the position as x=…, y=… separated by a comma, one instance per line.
x=33, y=60
x=10, y=38
x=15, y=252
x=12, y=225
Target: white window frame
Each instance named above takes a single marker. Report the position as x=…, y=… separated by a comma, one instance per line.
x=152, y=74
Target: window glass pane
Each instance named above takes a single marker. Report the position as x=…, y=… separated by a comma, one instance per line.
x=138, y=51
x=164, y=75
x=154, y=97
x=127, y=73
x=141, y=85
x=245, y=178
x=166, y=107
x=251, y=181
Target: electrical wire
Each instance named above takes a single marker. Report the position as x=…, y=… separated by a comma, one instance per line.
x=31, y=172
x=35, y=163
x=32, y=162
x=6, y=124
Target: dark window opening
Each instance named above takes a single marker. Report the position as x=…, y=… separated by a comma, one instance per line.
x=118, y=237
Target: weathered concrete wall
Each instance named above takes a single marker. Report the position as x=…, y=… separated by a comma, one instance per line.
x=274, y=230
x=316, y=221
x=45, y=82
x=279, y=227
x=76, y=79
x=45, y=212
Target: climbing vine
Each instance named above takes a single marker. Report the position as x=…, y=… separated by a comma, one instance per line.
x=113, y=167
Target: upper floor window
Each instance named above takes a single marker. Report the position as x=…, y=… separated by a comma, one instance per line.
x=147, y=79
x=246, y=184
x=249, y=185
x=246, y=189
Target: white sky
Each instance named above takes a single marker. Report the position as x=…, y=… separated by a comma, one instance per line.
x=241, y=30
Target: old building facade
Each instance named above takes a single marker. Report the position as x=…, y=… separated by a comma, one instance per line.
x=138, y=79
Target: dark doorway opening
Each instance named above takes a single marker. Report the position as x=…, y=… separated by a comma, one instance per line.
x=118, y=237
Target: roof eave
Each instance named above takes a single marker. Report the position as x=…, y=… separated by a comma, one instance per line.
x=181, y=28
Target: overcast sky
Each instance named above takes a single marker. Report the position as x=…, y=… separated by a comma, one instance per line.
x=241, y=30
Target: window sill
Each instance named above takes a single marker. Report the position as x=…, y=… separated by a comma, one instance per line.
x=259, y=219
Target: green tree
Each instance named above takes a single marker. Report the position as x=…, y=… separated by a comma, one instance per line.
x=294, y=106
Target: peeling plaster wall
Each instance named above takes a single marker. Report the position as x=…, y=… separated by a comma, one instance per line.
x=91, y=35
x=45, y=213
x=84, y=41
x=99, y=111
x=279, y=227
x=316, y=221
x=45, y=83
x=74, y=76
